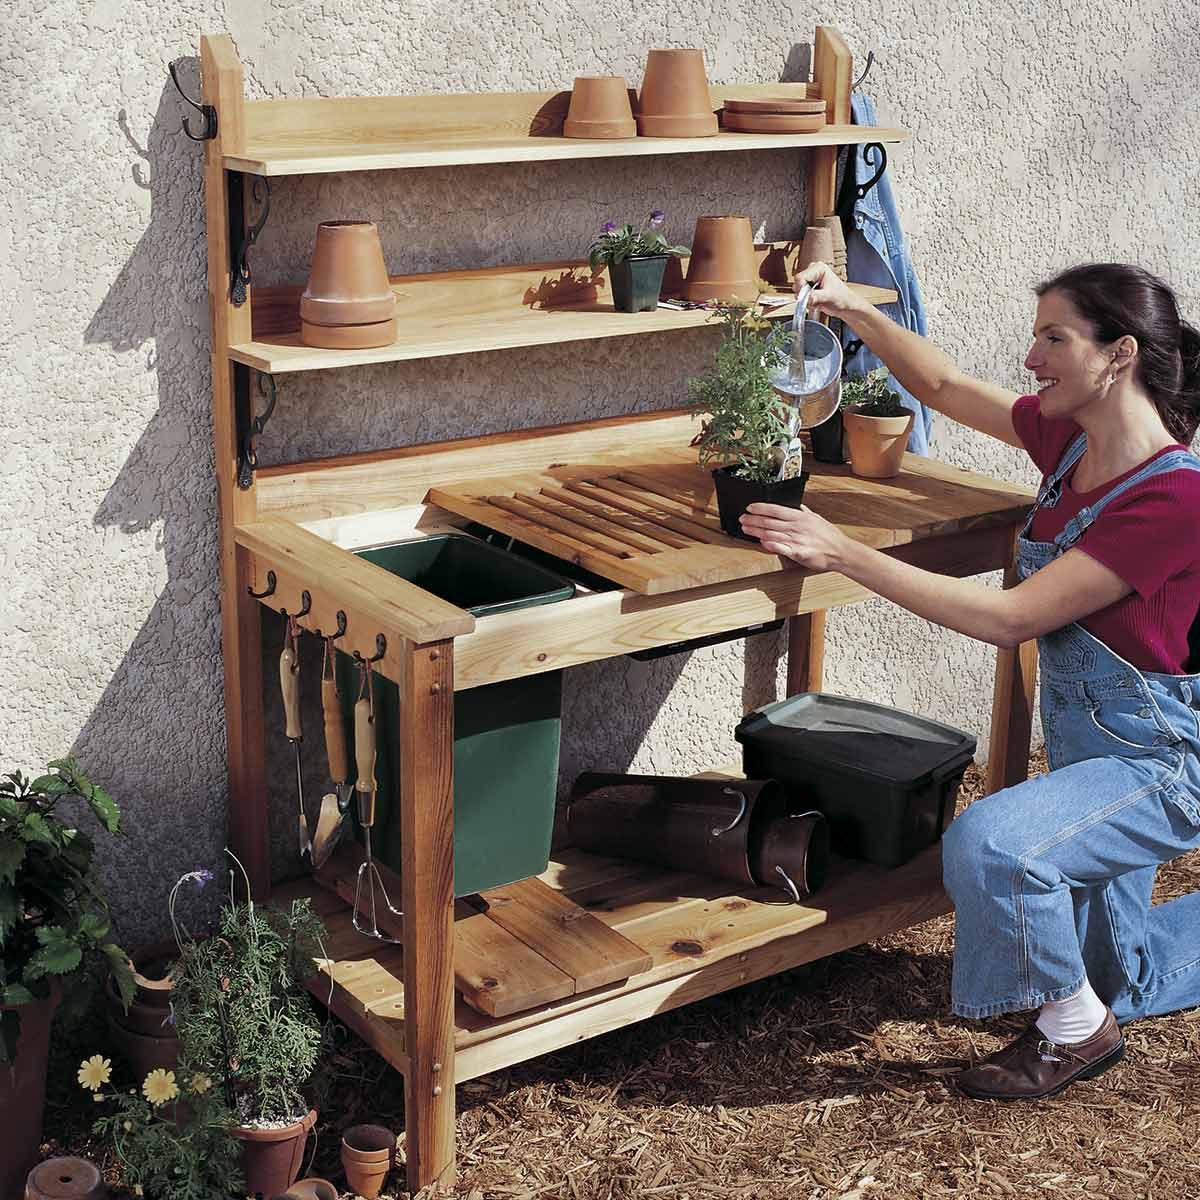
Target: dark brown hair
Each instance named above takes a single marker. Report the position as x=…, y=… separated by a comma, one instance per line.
x=1118, y=299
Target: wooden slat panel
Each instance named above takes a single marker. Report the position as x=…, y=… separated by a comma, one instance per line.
x=575, y=493
x=619, y=528
x=620, y=494
x=525, y=506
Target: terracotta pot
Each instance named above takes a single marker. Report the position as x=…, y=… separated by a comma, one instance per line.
x=144, y=1052
x=368, y=1154
x=348, y=337
x=723, y=265
x=23, y=1092
x=816, y=247
x=675, y=101
x=600, y=108
x=348, y=281
x=310, y=1189
x=151, y=973
x=65, y=1179
x=150, y=1020
x=876, y=443
x=272, y=1158
x=834, y=224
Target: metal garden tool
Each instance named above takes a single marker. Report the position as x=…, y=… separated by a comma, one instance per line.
x=335, y=805
x=289, y=684
x=369, y=880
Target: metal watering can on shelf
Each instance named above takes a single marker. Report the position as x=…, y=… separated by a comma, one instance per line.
x=807, y=372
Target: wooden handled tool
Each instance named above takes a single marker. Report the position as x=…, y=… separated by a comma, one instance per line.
x=335, y=805
x=289, y=685
x=364, y=752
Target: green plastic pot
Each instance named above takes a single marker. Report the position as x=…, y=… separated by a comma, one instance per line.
x=637, y=281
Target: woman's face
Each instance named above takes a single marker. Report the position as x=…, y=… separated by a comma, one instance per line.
x=1071, y=368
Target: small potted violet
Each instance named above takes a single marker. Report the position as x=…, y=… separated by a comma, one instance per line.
x=636, y=260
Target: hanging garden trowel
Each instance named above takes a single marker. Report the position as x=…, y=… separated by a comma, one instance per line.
x=335, y=805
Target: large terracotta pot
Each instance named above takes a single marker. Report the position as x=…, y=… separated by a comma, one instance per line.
x=143, y=1034
x=23, y=1093
x=675, y=101
x=876, y=444
x=600, y=108
x=272, y=1158
x=368, y=1154
x=347, y=300
x=723, y=265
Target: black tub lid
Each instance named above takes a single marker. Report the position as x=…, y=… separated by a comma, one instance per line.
x=869, y=739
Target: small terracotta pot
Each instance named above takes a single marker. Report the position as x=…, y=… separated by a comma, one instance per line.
x=65, y=1179
x=150, y=1020
x=23, y=1092
x=876, y=444
x=271, y=1158
x=675, y=100
x=309, y=1189
x=816, y=247
x=600, y=108
x=723, y=265
x=368, y=1154
x=144, y=1052
x=348, y=281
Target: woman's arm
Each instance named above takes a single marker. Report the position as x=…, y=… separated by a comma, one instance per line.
x=915, y=361
x=1068, y=589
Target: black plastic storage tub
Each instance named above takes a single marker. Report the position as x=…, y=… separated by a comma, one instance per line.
x=886, y=780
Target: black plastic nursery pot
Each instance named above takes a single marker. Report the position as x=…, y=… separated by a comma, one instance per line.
x=637, y=281
x=735, y=495
x=829, y=440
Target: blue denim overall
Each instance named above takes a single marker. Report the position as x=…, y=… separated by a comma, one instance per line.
x=1051, y=879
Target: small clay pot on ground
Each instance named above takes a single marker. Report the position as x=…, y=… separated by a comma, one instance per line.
x=368, y=1154
x=675, y=100
x=829, y=440
x=23, y=1092
x=735, y=495
x=272, y=1158
x=65, y=1179
x=347, y=302
x=309, y=1189
x=876, y=443
x=637, y=282
x=600, y=108
x=723, y=265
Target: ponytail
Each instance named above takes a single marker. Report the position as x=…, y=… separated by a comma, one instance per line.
x=1187, y=406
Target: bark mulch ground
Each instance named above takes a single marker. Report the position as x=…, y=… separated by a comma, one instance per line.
x=831, y=1081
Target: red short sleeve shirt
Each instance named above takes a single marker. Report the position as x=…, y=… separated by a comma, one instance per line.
x=1149, y=536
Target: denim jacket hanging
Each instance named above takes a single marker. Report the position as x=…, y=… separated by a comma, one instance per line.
x=876, y=254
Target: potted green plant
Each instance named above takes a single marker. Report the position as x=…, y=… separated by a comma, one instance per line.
x=877, y=425
x=245, y=1020
x=745, y=420
x=54, y=935
x=636, y=260
x=829, y=438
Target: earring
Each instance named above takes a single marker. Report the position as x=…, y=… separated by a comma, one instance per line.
x=1111, y=380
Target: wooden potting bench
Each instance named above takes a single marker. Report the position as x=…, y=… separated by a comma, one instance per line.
x=286, y=539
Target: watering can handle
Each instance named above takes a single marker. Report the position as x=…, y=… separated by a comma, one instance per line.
x=801, y=306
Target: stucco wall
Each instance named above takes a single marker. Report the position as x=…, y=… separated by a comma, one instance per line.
x=1041, y=136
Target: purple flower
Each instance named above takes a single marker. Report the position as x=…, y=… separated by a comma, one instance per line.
x=609, y=227
x=657, y=217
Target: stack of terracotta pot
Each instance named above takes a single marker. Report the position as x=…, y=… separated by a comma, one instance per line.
x=834, y=225
x=368, y=1154
x=348, y=303
x=778, y=114
x=145, y=1034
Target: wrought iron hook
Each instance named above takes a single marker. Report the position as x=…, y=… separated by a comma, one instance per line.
x=304, y=609
x=341, y=628
x=270, y=588
x=865, y=72
x=380, y=651
x=261, y=191
x=207, y=111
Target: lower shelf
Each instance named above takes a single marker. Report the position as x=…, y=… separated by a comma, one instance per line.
x=703, y=937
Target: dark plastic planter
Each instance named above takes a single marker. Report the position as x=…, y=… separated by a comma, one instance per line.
x=637, y=281
x=735, y=495
x=828, y=440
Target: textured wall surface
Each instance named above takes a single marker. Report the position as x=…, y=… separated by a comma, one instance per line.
x=1041, y=137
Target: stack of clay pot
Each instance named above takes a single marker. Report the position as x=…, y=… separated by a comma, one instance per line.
x=675, y=100
x=823, y=242
x=723, y=264
x=600, y=108
x=368, y=1154
x=144, y=1034
x=778, y=114
x=348, y=303
x=834, y=225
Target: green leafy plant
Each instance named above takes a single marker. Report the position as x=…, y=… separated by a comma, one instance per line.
x=54, y=919
x=616, y=242
x=173, y=1138
x=745, y=420
x=242, y=1013
x=871, y=396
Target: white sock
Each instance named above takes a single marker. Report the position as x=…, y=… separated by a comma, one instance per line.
x=1074, y=1019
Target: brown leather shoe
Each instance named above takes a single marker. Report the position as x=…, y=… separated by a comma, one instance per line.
x=1031, y=1068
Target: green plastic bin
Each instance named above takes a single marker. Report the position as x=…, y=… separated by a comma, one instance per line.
x=506, y=735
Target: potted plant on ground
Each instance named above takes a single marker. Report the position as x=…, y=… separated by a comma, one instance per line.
x=636, y=260
x=877, y=426
x=54, y=934
x=245, y=1020
x=745, y=420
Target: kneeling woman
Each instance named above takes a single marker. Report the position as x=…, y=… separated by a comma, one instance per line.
x=1051, y=879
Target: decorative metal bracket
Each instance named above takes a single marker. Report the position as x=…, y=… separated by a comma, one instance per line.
x=206, y=111
x=861, y=189
x=248, y=453
x=261, y=191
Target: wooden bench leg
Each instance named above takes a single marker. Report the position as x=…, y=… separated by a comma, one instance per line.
x=806, y=652
x=427, y=885
x=1012, y=710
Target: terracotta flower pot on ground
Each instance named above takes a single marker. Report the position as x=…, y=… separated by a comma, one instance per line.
x=368, y=1154
x=675, y=101
x=347, y=302
x=600, y=108
x=65, y=1179
x=723, y=265
x=272, y=1158
x=144, y=1052
x=23, y=1092
x=144, y=1035
x=876, y=444
x=637, y=282
x=152, y=973
x=310, y=1189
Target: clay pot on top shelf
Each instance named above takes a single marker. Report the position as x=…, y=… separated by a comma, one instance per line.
x=723, y=265
x=600, y=108
x=368, y=1154
x=675, y=100
x=347, y=302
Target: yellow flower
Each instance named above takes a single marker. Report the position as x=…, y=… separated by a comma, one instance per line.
x=201, y=1083
x=159, y=1086
x=137, y=1190
x=94, y=1072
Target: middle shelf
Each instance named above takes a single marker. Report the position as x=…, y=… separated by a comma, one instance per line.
x=464, y=312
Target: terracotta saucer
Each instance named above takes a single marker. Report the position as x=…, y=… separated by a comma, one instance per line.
x=781, y=104
x=348, y=337
x=774, y=122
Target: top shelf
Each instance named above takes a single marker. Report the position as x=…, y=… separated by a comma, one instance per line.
x=318, y=136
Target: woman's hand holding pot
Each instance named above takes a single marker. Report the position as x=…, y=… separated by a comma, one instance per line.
x=829, y=295
x=798, y=534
